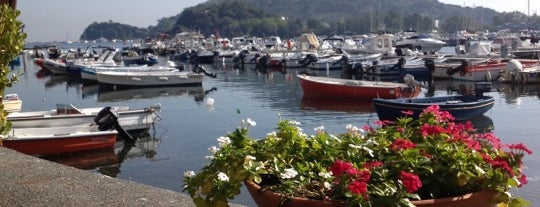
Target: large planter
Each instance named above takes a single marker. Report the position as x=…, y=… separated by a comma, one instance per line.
x=266, y=198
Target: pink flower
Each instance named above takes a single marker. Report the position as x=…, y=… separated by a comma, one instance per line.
x=522, y=180
x=410, y=181
x=408, y=112
x=427, y=129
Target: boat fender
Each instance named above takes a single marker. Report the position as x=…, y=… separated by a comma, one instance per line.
x=488, y=76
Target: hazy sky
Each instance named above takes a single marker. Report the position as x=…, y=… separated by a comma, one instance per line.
x=60, y=20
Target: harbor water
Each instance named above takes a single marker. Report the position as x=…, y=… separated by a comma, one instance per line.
x=190, y=123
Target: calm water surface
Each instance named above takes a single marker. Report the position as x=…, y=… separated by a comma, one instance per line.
x=188, y=126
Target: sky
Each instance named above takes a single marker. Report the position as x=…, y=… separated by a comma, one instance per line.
x=63, y=20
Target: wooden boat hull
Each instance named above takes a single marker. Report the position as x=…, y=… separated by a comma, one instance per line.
x=353, y=89
x=461, y=107
x=48, y=141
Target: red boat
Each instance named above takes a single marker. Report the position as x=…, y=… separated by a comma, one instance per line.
x=324, y=87
x=59, y=140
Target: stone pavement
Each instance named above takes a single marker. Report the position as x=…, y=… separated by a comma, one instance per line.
x=30, y=181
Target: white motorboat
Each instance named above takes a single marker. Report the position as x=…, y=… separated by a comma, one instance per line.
x=421, y=42
x=69, y=115
x=149, y=78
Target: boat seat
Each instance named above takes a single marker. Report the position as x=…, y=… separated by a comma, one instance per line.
x=67, y=109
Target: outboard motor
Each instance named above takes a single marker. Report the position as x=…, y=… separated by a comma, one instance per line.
x=462, y=69
x=201, y=69
x=310, y=58
x=107, y=119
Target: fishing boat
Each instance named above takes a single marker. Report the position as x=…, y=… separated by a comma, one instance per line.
x=462, y=107
x=68, y=115
x=40, y=141
x=516, y=73
x=326, y=87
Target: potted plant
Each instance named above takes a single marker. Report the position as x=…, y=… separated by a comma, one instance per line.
x=401, y=163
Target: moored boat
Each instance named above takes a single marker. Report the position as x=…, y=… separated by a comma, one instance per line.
x=462, y=107
x=58, y=140
x=69, y=115
x=325, y=87
x=149, y=78
x=11, y=102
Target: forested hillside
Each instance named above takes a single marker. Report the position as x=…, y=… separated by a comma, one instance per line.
x=289, y=18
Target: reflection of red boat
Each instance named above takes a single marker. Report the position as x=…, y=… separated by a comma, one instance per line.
x=345, y=105
x=86, y=160
x=58, y=140
x=325, y=87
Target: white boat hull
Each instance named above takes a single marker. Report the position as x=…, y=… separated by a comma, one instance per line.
x=151, y=78
x=127, y=118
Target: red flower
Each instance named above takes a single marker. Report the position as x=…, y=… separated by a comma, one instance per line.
x=410, y=181
x=522, y=180
x=373, y=164
x=521, y=147
x=400, y=144
x=357, y=187
x=339, y=167
x=427, y=129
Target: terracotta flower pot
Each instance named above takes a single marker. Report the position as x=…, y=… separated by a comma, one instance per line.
x=266, y=198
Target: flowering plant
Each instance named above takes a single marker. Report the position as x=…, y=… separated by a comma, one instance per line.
x=390, y=165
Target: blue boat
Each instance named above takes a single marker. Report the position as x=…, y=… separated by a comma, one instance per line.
x=462, y=107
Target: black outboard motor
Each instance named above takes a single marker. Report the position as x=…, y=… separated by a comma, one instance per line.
x=310, y=58
x=462, y=69
x=201, y=69
x=107, y=119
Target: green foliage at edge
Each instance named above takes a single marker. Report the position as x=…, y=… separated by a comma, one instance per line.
x=11, y=44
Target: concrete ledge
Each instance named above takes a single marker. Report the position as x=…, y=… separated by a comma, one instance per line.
x=30, y=181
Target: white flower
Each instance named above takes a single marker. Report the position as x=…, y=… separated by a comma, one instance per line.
x=223, y=141
x=327, y=185
x=335, y=137
x=272, y=134
x=289, y=173
x=249, y=158
x=209, y=157
x=295, y=123
x=355, y=146
x=319, y=129
x=213, y=149
x=251, y=122
x=325, y=174
x=189, y=174
x=223, y=177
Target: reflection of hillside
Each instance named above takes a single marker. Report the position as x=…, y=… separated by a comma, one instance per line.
x=147, y=93
x=344, y=105
x=512, y=92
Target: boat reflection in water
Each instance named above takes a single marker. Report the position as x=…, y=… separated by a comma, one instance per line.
x=108, y=161
x=513, y=92
x=344, y=105
x=481, y=123
x=147, y=93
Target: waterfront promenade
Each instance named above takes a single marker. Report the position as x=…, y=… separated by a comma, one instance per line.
x=30, y=181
